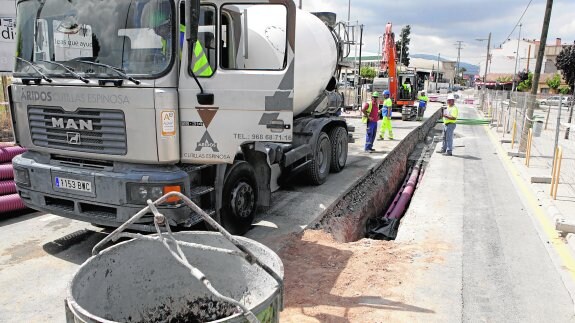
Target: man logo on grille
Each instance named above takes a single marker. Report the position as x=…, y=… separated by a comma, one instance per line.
x=73, y=138
x=207, y=142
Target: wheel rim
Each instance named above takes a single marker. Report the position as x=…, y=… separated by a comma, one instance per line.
x=243, y=200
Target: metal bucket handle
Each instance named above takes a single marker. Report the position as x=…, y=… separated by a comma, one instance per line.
x=160, y=219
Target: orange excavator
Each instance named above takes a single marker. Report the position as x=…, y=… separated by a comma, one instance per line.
x=403, y=97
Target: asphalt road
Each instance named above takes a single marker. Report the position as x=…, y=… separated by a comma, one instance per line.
x=39, y=253
x=484, y=257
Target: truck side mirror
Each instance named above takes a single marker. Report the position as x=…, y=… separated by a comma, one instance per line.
x=192, y=20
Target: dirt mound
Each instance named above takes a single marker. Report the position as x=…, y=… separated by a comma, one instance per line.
x=327, y=281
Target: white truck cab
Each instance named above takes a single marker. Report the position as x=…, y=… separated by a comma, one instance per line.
x=119, y=102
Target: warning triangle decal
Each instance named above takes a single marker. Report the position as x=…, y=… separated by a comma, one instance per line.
x=207, y=115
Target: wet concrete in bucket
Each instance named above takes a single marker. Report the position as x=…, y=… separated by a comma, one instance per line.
x=197, y=311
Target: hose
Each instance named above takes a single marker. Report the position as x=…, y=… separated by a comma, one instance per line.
x=7, y=187
x=7, y=153
x=12, y=202
x=6, y=171
x=470, y=122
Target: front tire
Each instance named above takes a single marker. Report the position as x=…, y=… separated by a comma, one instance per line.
x=239, y=198
x=321, y=160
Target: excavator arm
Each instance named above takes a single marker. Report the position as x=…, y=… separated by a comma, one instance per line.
x=388, y=60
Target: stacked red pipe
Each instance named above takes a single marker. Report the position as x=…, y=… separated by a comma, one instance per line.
x=9, y=199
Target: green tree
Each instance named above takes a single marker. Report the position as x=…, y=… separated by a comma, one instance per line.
x=459, y=78
x=564, y=89
x=566, y=63
x=504, y=79
x=522, y=76
x=525, y=85
x=367, y=72
x=402, y=45
x=554, y=82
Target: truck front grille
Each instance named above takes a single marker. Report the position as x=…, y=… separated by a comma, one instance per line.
x=87, y=130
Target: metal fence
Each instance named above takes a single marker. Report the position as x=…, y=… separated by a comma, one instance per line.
x=552, y=126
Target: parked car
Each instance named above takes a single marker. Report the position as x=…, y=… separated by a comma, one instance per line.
x=567, y=101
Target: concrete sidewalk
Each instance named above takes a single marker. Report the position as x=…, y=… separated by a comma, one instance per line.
x=481, y=255
x=538, y=173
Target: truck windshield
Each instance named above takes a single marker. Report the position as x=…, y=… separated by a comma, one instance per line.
x=135, y=36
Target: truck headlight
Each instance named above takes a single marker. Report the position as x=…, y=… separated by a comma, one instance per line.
x=139, y=193
x=21, y=176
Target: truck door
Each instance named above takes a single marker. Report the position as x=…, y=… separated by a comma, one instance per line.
x=245, y=58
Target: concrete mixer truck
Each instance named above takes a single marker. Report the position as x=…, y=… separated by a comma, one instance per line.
x=119, y=102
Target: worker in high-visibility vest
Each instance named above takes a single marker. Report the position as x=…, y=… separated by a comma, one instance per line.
x=386, y=111
x=407, y=87
x=423, y=99
x=450, y=114
x=370, y=111
x=200, y=64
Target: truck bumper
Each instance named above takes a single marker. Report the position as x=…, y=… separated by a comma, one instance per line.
x=108, y=202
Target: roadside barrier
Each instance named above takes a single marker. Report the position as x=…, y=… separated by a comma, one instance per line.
x=539, y=125
x=556, y=172
x=513, y=132
x=529, y=143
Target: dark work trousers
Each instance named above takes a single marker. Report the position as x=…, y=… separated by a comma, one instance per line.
x=370, y=134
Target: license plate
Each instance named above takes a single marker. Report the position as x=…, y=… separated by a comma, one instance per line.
x=73, y=184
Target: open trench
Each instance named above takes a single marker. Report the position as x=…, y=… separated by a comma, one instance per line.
x=368, y=204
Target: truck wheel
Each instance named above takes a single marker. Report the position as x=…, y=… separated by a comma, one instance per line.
x=320, y=163
x=338, y=138
x=239, y=198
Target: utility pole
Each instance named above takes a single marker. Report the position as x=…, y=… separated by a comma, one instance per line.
x=437, y=73
x=485, y=72
x=536, y=76
x=458, y=57
x=300, y=4
x=516, y=58
x=359, y=68
x=348, y=9
x=528, y=57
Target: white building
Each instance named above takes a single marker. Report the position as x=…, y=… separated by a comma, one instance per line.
x=503, y=58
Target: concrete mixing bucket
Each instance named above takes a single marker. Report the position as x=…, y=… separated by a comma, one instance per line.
x=140, y=281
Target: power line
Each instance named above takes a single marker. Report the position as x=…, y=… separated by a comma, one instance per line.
x=518, y=21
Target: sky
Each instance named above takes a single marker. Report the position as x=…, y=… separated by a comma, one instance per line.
x=436, y=25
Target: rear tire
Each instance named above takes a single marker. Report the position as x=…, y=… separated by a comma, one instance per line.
x=239, y=198
x=321, y=160
x=339, y=148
